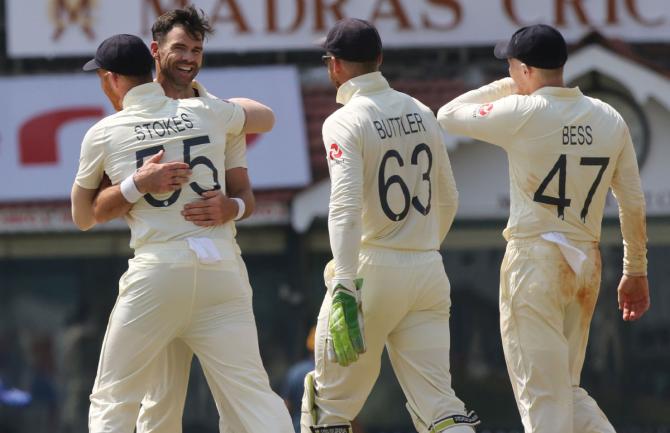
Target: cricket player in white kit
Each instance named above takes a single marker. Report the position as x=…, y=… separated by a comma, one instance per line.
x=393, y=199
x=163, y=406
x=177, y=47
x=565, y=151
x=184, y=281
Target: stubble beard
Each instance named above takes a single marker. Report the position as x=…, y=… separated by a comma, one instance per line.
x=171, y=78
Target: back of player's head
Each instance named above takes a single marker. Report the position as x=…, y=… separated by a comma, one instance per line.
x=540, y=46
x=123, y=54
x=192, y=20
x=354, y=40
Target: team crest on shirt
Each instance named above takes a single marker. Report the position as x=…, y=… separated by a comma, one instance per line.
x=335, y=153
x=483, y=110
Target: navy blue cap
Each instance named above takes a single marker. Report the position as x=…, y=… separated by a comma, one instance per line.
x=539, y=45
x=353, y=39
x=123, y=54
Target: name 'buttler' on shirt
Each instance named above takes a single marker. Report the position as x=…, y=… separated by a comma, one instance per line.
x=163, y=127
x=405, y=124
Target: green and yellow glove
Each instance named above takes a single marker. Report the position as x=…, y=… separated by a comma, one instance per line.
x=346, y=323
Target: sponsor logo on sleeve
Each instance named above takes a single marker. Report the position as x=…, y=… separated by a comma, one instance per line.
x=335, y=153
x=483, y=110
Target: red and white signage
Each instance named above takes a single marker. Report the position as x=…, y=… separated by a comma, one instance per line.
x=44, y=118
x=76, y=27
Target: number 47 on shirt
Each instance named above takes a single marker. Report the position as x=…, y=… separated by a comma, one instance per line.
x=561, y=202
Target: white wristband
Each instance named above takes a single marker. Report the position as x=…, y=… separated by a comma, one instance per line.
x=241, y=207
x=129, y=190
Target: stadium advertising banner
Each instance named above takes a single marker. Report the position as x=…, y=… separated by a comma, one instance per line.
x=50, y=28
x=44, y=118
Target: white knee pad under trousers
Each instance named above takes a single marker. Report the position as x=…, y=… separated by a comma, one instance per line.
x=309, y=418
x=456, y=423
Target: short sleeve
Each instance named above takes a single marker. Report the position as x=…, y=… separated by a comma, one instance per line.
x=229, y=116
x=236, y=151
x=91, y=159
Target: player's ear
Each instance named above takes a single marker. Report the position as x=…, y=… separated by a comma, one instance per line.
x=115, y=81
x=154, y=49
x=337, y=63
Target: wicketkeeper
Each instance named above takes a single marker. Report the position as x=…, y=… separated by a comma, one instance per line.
x=392, y=201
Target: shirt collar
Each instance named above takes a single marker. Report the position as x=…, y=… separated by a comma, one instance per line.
x=138, y=94
x=362, y=85
x=561, y=92
x=199, y=89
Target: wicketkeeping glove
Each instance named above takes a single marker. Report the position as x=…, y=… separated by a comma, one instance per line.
x=346, y=323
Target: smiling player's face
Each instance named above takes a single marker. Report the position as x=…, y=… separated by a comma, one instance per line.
x=179, y=57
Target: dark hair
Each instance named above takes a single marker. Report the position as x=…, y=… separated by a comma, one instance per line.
x=191, y=19
x=360, y=68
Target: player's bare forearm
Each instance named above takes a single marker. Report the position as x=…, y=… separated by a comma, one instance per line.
x=216, y=208
x=238, y=185
x=633, y=296
x=153, y=177
x=259, y=117
x=82, y=207
x=110, y=204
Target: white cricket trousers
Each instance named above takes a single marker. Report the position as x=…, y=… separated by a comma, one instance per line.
x=545, y=314
x=163, y=405
x=405, y=302
x=166, y=294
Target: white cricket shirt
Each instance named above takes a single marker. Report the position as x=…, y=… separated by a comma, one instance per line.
x=391, y=180
x=236, y=145
x=191, y=130
x=565, y=151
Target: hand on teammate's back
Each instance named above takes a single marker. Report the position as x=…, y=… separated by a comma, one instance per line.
x=155, y=177
x=633, y=295
x=214, y=208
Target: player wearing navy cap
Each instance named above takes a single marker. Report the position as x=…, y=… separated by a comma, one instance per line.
x=565, y=152
x=179, y=36
x=392, y=201
x=184, y=281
